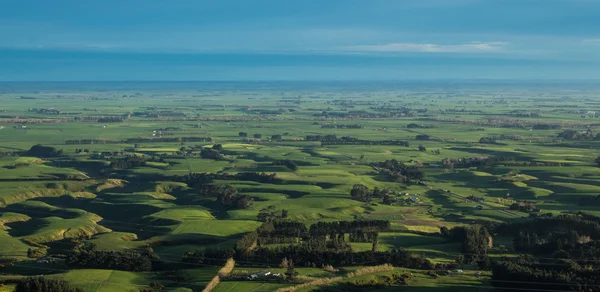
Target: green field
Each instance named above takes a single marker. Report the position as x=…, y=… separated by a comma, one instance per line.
x=83, y=196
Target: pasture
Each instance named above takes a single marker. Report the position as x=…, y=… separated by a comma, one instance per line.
x=481, y=157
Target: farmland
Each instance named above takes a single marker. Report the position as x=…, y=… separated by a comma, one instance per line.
x=162, y=170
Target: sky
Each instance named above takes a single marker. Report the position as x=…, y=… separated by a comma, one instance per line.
x=185, y=40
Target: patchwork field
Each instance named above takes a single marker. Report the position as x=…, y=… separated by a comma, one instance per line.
x=160, y=170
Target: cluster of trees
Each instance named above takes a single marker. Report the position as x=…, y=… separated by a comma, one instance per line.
x=332, y=139
x=417, y=126
x=568, y=248
x=477, y=161
x=303, y=255
x=558, y=244
x=524, y=206
x=208, y=256
x=325, y=138
x=82, y=150
x=321, y=236
x=321, y=245
x=362, y=193
x=314, y=255
x=329, y=228
x=422, y=137
x=226, y=195
x=579, y=135
x=211, y=153
x=519, y=114
x=88, y=257
x=168, y=139
x=475, y=241
x=158, y=114
x=582, y=223
x=199, y=178
x=330, y=126
x=265, y=112
x=94, y=141
x=41, y=284
x=235, y=200
x=287, y=163
x=270, y=213
x=110, y=120
x=127, y=162
x=487, y=140
x=401, y=172
x=42, y=151
x=529, y=274
x=560, y=236
x=546, y=127
x=380, y=282
x=279, y=231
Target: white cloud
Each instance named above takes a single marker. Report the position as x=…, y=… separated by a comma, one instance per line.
x=475, y=47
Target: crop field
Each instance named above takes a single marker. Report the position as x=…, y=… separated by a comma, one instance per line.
x=181, y=167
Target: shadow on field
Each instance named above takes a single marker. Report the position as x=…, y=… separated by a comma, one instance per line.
x=92, y=168
x=289, y=193
x=40, y=211
x=492, y=186
x=31, y=268
x=25, y=228
x=143, y=232
x=106, y=210
x=439, y=198
x=492, y=152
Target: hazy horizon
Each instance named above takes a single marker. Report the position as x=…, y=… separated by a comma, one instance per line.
x=67, y=40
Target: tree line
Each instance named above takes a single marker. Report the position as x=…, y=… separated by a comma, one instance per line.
x=199, y=178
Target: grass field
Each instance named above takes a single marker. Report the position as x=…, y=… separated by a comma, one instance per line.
x=83, y=196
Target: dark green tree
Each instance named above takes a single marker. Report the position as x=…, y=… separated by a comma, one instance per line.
x=361, y=193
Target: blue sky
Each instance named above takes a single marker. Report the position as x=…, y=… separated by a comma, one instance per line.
x=299, y=40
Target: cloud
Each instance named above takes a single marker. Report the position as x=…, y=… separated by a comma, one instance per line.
x=475, y=47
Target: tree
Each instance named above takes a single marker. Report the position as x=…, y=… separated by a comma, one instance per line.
x=257, y=136
x=276, y=137
x=42, y=151
x=598, y=160
x=374, y=245
x=218, y=147
x=460, y=260
x=485, y=263
x=387, y=199
x=447, y=163
x=422, y=148
x=243, y=134
x=445, y=231
x=291, y=273
x=361, y=193
x=284, y=263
